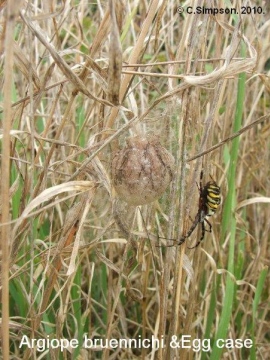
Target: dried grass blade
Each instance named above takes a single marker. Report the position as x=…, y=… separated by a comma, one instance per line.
x=74, y=79
x=115, y=60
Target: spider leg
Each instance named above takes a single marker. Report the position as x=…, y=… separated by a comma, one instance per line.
x=201, y=238
x=184, y=237
x=174, y=240
x=209, y=224
x=159, y=246
x=200, y=187
x=201, y=177
x=190, y=231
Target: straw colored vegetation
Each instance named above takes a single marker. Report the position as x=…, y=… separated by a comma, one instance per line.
x=80, y=78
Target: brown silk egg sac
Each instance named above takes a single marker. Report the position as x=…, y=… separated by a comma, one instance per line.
x=142, y=170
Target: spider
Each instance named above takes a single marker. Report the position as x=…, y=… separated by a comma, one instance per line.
x=209, y=201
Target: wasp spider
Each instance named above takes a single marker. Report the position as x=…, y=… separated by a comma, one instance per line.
x=209, y=201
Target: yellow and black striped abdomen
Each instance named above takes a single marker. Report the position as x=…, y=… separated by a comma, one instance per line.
x=212, y=197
